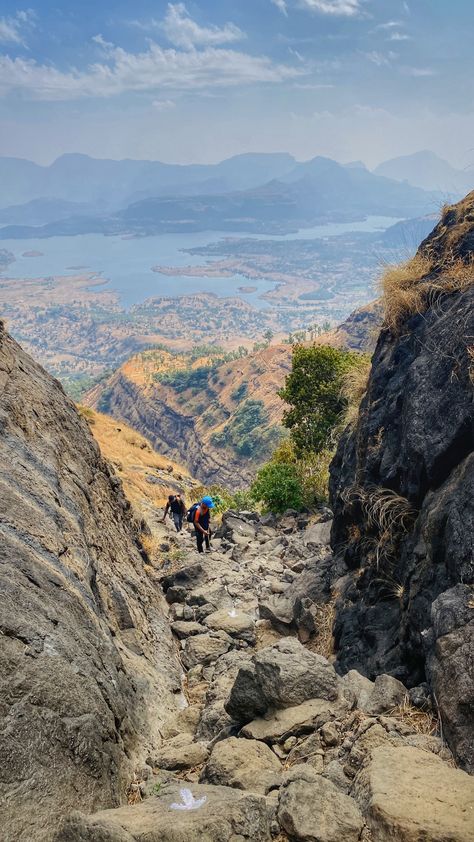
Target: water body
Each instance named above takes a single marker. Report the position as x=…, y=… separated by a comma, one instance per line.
x=126, y=263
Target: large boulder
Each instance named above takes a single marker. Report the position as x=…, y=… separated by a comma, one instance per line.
x=295, y=720
x=313, y=585
x=205, y=648
x=233, y=622
x=224, y=814
x=319, y=812
x=279, y=676
x=450, y=646
x=180, y=753
x=243, y=764
x=408, y=795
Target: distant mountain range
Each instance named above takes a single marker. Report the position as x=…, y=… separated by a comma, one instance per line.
x=79, y=178
x=428, y=171
x=302, y=194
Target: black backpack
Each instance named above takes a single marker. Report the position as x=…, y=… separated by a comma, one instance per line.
x=192, y=512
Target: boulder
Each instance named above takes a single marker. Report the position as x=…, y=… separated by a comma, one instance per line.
x=180, y=754
x=185, y=721
x=318, y=534
x=233, y=622
x=300, y=772
x=451, y=665
x=226, y=814
x=300, y=719
x=313, y=585
x=214, y=718
x=281, y=675
x=204, y=649
x=243, y=764
x=306, y=751
x=335, y=773
x=319, y=812
x=387, y=693
x=408, y=795
x=183, y=628
x=357, y=688
x=186, y=577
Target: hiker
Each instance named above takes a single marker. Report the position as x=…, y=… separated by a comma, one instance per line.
x=200, y=518
x=177, y=509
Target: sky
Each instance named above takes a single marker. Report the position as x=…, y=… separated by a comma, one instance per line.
x=206, y=79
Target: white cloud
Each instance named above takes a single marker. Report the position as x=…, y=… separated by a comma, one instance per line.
x=163, y=104
x=281, y=4
x=152, y=70
x=381, y=59
x=182, y=31
x=12, y=28
x=399, y=36
x=347, y=8
x=418, y=72
x=390, y=24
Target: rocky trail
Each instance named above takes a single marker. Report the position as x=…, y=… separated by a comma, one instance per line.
x=268, y=741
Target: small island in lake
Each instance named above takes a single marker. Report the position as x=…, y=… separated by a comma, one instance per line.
x=33, y=253
x=246, y=290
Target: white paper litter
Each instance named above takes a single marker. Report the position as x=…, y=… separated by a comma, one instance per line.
x=189, y=801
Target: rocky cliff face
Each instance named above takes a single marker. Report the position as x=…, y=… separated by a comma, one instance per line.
x=88, y=673
x=402, y=489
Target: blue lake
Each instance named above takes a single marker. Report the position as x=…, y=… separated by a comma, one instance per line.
x=126, y=263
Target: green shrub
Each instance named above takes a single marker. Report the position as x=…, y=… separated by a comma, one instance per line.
x=278, y=487
x=240, y=392
x=313, y=390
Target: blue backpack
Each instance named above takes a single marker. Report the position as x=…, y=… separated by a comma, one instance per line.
x=191, y=513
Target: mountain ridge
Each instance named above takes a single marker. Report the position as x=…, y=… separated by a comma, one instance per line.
x=315, y=191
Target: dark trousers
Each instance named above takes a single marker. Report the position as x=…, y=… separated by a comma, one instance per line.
x=200, y=538
x=178, y=520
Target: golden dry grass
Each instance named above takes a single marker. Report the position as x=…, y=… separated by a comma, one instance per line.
x=411, y=287
x=403, y=292
x=421, y=721
x=134, y=459
x=354, y=387
x=323, y=642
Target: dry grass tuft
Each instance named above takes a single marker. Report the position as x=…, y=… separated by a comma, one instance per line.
x=323, y=642
x=354, y=387
x=421, y=721
x=388, y=516
x=172, y=558
x=411, y=287
x=403, y=292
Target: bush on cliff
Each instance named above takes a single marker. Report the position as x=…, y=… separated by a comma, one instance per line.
x=313, y=391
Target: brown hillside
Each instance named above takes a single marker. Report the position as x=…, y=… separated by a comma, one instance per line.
x=190, y=423
x=148, y=478
x=199, y=421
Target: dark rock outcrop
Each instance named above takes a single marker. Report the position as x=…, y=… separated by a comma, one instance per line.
x=86, y=658
x=402, y=489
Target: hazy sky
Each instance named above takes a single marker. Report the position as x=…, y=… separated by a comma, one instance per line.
x=206, y=79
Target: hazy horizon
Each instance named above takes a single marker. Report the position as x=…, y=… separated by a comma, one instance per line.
x=218, y=160
x=204, y=81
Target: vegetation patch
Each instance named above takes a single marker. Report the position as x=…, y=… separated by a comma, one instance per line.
x=411, y=287
x=248, y=433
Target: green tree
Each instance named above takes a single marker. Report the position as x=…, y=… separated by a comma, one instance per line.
x=313, y=390
x=277, y=486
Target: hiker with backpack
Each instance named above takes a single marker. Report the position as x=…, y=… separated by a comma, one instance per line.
x=200, y=515
x=175, y=506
